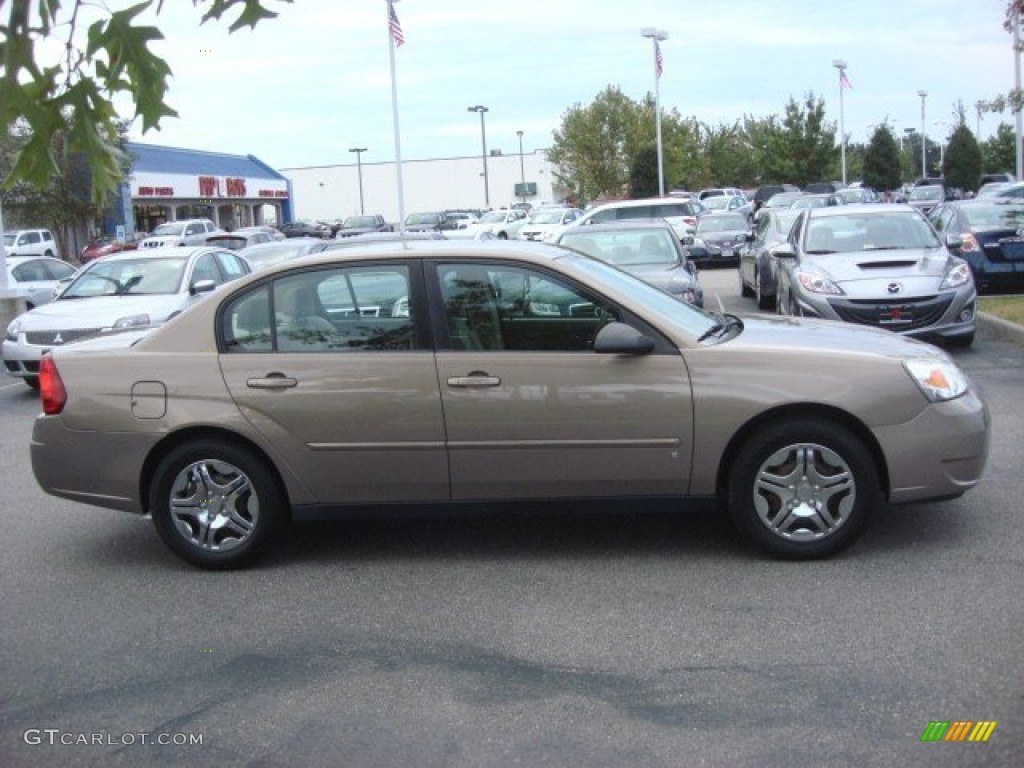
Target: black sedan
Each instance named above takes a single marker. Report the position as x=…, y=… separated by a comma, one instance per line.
x=724, y=235
x=759, y=270
x=305, y=228
x=992, y=239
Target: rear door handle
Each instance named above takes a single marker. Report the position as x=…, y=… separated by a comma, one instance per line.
x=475, y=379
x=271, y=381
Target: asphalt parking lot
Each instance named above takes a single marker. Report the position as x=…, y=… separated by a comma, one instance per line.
x=646, y=638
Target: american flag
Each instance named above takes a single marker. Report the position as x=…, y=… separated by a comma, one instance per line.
x=658, y=61
x=844, y=81
x=395, y=26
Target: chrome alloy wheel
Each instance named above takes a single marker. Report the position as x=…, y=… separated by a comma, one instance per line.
x=804, y=492
x=213, y=505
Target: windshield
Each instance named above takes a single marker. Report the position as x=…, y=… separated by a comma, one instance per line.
x=170, y=229
x=359, y=222
x=682, y=315
x=129, y=276
x=722, y=223
x=492, y=217
x=546, y=217
x=869, y=232
x=423, y=218
x=624, y=248
x=926, y=193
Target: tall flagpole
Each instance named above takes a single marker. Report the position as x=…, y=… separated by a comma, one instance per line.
x=392, y=24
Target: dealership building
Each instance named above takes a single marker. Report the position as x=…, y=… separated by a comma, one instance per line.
x=168, y=184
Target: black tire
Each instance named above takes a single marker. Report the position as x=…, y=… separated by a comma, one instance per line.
x=32, y=382
x=763, y=302
x=49, y=253
x=745, y=290
x=808, y=466
x=503, y=235
x=252, y=504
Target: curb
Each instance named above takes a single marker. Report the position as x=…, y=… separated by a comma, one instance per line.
x=1002, y=328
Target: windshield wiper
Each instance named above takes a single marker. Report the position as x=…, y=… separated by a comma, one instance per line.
x=722, y=324
x=819, y=252
x=131, y=282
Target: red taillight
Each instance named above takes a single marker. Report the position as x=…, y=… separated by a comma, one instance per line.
x=970, y=244
x=51, y=387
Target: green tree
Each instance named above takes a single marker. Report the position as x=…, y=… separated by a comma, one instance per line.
x=997, y=152
x=643, y=172
x=73, y=96
x=730, y=159
x=593, y=145
x=961, y=165
x=882, y=160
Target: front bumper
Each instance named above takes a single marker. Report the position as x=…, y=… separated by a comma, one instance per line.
x=955, y=435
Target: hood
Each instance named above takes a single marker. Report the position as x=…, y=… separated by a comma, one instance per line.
x=919, y=271
x=100, y=311
x=718, y=238
x=829, y=337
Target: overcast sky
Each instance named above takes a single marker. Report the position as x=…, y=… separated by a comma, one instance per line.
x=300, y=90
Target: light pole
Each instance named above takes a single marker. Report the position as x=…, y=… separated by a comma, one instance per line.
x=1018, y=146
x=924, y=137
x=522, y=168
x=483, y=142
x=657, y=35
x=359, y=166
x=942, y=142
x=840, y=65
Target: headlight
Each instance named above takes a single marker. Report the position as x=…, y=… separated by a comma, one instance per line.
x=13, y=329
x=131, y=321
x=815, y=283
x=957, y=275
x=937, y=379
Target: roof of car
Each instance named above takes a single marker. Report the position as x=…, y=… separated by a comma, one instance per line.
x=855, y=209
x=619, y=225
x=181, y=251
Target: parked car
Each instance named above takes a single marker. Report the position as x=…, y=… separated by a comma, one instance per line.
x=124, y=290
x=729, y=233
x=990, y=240
x=35, y=277
x=265, y=255
x=763, y=193
x=758, y=268
x=108, y=244
x=1013, y=190
x=239, y=239
x=704, y=194
x=545, y=221
x=812, y=200
x=680, y=212
x=306, y=228
x=503, y=223
x=993, y=188
x=183, y=232
x=729, y=204
x=426, y=221
x=360, y=225
x=30, y=242
x=648, y=249
x=406, y=378
x=926, y=197
x=877, y=265
x=823, y=187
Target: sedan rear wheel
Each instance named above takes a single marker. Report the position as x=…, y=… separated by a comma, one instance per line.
x=216, y=504
x=802, y=489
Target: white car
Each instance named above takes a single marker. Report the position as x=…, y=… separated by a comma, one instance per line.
x=503, y=223
x=131, y=289
x=546, y=220
x=35, y=277
x=184, y=232
x=680, y=212
x=30, y=242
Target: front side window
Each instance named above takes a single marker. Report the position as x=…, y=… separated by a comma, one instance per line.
x=509, y=308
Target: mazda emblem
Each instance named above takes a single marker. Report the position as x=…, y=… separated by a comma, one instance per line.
x=894, y=288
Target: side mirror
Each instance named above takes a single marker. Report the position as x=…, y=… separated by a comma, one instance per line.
x=202, y=286
x=688, y=240
x=690, y=267
x=783, y=252
x=954, y=241
x=622, y=339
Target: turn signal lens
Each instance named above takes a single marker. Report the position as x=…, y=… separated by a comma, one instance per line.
x=937, y=379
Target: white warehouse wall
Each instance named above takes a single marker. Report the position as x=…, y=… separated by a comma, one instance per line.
x=332, y=191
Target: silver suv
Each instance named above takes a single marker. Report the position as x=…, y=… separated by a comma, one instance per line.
x=30, y=242
x=184, y=232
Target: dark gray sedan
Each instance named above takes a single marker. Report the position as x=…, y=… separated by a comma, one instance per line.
x=648, y=249
x=882, y=266
x=758, y=268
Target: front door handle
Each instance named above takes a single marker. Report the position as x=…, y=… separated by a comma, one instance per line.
x=476, y=379
x=271, y=381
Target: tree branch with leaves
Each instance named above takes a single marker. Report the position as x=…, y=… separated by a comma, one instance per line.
x=73, y=94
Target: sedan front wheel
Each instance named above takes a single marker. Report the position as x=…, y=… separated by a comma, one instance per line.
x=216, y=504
x=802, y=489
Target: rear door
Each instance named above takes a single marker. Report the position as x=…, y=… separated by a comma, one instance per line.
x=531, y=411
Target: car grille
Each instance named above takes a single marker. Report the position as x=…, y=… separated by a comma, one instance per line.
x=56, y=338
x=905, y=315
